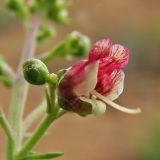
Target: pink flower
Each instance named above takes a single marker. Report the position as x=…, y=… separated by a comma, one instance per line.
x=89, y=85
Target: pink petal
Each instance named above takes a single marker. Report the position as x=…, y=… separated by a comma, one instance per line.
x=100, y=49
x=118, y=85
x=73, y=76
x=120, y=55
x=89, y=80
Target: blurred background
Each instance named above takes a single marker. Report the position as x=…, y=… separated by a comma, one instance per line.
x=115, y=135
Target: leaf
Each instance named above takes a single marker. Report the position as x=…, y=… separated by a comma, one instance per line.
x=43, y=155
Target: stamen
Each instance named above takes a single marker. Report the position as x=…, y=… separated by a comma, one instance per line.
x=114, y=105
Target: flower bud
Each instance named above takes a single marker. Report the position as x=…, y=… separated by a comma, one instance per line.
x=44, y=33
x=57, y=11
x=18, y=8
x=59, y=15
x=77, y=44
x=35, y=72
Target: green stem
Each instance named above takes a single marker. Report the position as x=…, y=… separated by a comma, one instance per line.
x=59, y=50
x=7, y=70
x=20, y=90
x=8, y=130
x=36, y=136
x=5, y=125
x=6, y=80
x=36, y=113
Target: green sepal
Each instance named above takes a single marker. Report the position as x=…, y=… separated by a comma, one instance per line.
x=60, y=73
x=52, y=80
x=41, y=156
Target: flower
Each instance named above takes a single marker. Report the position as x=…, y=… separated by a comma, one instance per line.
x=91, y=84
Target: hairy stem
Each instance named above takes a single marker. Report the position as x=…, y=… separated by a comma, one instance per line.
x=20, y=88
x=6, y=126
x=36, y=136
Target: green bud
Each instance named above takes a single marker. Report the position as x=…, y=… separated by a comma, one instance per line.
x=39, y=5
x=74, y=45
x=18, y=7
x=57, y=11
x=78, y=44
x=59, y=15
x=53, y=79
x=44, y=33
x=35, y=72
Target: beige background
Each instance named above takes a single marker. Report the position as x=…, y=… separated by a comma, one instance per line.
x=115, y=135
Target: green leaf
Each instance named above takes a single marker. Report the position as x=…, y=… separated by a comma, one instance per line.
x=49, y=155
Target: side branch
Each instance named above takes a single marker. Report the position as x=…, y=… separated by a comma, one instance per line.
x=5, y=125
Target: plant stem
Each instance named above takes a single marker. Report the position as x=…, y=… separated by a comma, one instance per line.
x=49, y=155
x=57, y=51
x=7, y=70
x=5, y=125
x=36, y=136
x=20, y=89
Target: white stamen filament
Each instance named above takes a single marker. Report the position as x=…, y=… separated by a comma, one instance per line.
x=114, y=105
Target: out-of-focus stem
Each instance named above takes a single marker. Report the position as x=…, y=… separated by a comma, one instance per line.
x=7, y=75
x=7, y=70
x=20, y=88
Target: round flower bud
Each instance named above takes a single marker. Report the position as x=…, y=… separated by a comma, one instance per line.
x=35, y=72
x=78, y=44
x=59, y=15
x=60, y=4
x=44, y=33
x=18, y=8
